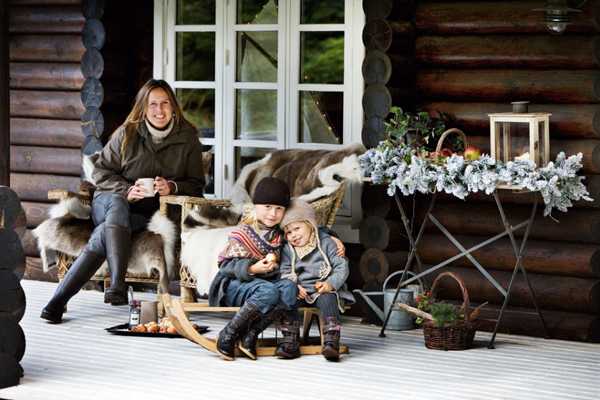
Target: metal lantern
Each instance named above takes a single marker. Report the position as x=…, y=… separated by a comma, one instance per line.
x=521, y=136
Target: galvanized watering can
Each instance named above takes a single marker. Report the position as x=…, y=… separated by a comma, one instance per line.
x=399, y=320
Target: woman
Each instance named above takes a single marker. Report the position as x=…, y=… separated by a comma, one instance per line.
x=156, y=141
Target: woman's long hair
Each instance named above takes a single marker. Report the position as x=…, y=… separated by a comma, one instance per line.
x=138, y=112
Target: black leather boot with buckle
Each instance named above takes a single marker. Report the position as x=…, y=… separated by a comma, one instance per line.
x=248, y=342
x=226, y=343
x=118, y=245
x=331, y=339
x=83, y=268
x=289, y=346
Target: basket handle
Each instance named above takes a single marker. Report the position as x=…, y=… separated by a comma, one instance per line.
x=463, y=289
x=446, y=133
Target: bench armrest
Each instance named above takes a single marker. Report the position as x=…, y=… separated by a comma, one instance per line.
x=63, y=194
x=187, y=203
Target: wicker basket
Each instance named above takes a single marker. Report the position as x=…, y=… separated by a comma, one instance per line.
x=455, y=337
x=447, y=133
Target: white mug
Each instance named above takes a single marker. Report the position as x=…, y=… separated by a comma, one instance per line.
x=148, y=185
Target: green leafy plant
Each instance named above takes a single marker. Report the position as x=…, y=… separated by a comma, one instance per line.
x=444, y=314
x=418, y=130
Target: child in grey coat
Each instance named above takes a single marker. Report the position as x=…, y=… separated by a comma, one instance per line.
x=310, y=259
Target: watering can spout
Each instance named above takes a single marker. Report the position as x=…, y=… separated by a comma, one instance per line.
x=365, y=296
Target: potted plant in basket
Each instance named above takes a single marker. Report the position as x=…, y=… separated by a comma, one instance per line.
x=445, y=326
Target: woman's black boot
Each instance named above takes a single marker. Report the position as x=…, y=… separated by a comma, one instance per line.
x=226, y=343
x=289, y=346
x=82, y=269
x=118, y=245
x=331, y=340
x=248, y=342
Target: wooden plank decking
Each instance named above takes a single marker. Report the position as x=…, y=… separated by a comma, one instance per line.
x=78, y=360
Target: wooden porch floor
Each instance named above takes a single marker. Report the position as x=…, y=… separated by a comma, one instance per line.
x=79, y=360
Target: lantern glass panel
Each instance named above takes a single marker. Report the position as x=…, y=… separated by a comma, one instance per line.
x=512, y=141
x=543, y=158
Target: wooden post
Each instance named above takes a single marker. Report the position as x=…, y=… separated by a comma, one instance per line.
x=4, y=100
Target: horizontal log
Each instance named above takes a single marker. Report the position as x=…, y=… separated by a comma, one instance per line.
x=35, y=187
x=47, y=48
x=590, y=148
x=36, y=212
x=12, y=256
x=541, y=257
x=93, y=35
x=524, y=51
x=55, y=76
x=542, y=86
x=552, y=292
x=45, y=104
x=377, y=35
x=476, y=17
x=376, y=68
x=93, y=8
x=44, y=2
x=92, y=64
x=375, y=201
x=467, y=218
x=377, y=9
x=525, y=321
x=91, y=145
x=48, y=160
x=33, y=19
x=374, y=266
x=46, y=132
x=92, y=93
x=567, y=120
x=380, y=233
x=377, y=101
x=92, y=122
x=373, y=131
x=35, y=272
x=30, y=245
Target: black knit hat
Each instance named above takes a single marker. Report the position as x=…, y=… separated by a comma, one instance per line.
x=272, y=191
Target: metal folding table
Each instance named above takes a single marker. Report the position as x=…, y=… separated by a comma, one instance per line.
x=519, y=250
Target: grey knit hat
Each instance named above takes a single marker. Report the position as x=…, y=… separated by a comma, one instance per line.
x=299, y=210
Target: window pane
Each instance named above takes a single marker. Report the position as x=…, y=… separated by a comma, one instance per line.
x=247, y=155
x=256, y=57
x=322, y=12
x=321, y=117
x=256, y=114
x=208, y=165
x=322, y=57
x=195, y=12
x=199, y=108
x=195, y=56
x=257, y=11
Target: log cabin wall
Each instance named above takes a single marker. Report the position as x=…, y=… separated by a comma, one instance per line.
x=45, y=51
x=473, y=58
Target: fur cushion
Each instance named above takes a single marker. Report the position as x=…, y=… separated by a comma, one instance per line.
x=69, y=228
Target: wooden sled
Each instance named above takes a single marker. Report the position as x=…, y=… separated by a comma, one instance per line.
x=177, y=313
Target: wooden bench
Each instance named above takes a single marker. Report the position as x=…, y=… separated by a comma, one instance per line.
x=177, y=312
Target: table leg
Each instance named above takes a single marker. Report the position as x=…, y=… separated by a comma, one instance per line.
x=519, y=253
x=413, y=243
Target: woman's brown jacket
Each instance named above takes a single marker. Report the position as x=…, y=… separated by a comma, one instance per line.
x=177, y=158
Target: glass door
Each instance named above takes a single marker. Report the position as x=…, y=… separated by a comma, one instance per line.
x=255, y=76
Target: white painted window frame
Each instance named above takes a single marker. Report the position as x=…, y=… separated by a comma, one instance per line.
x=287, y=86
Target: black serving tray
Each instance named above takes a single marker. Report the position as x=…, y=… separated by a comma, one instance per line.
x=123, y=329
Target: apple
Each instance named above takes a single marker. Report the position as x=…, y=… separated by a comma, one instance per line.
x=446, y=152
x=472, y=153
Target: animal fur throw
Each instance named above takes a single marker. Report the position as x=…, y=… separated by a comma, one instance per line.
x=69, y=228
x=310, y=174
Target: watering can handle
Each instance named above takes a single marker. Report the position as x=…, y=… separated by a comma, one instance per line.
x=399, y=272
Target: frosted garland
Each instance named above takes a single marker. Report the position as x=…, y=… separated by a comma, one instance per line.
x=401, y=169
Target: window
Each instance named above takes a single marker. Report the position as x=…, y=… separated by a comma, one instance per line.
x=259, y=75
